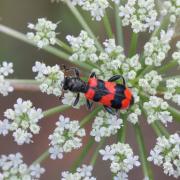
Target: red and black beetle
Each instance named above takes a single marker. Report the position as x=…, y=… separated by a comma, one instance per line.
x=108, y=93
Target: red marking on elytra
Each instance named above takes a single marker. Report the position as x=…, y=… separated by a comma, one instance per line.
x=125, y=103
x=110, y=86
x=106, y=100
x=128, y=93
x=92, y=82
x=90, y=94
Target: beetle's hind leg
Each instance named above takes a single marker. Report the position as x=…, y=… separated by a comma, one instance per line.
x=110, y=110
x=89, y=104
x=116, y=77
x=76, y=100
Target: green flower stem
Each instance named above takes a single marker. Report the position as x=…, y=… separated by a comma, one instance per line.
x=83, y=23
x=142, y=73
x=42, y=157
x=156, y=129
x=55, y=110
x=153, y=124
x=83, y=154
x=107, y=26
x=13, y=33
x=162, y=129
x=167, y=66
x=96, y=153
x=64, y=45
x=119, y=30
x=175, y=113
x=163, y=25
x=23, y=81
x=142, y=152
x=90, y=116
x=133, y=45
x=122, y=130
x=24, y=84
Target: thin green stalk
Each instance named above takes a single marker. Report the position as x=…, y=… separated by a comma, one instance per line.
x=123, y=129
x=90, y=116
x=64, y=46
x=83, y=23
x=162, y=128
x=13, y=33
x=24, y=84
x=96, y=153
x=153, y=125
x=167, y=66
x=133, y=45
x=141, y=74
x=119, y=30
x=83, y=154
x=55, y=110
x=23, y=81
x=175, y=113
x=142, y=152
x=156, y=129
x=42, y=157
x=107, y=26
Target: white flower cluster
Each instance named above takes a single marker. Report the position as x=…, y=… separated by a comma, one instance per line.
x=66, y=137
x=44, y=32
x=22, y=120
x=113, y=58
x=133, y=117
x=84, y=173
x=51, y=78
x=150, y=82
x=5, y=69
x=122, y=159
x=156, y=110
x=171, y=8
x=130, y=67
x=70, y=97
x=176, y=55
x=172, y=86
x=166, y=153
x=83, y=48
x=156, y=49
x=140, y=14
x=95, y=7
x=135, y=110
x=12, y=167
x=105, y=125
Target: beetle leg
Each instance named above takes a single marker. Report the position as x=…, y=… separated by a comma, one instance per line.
x=89, y=104
x=76, y=100
x=93, y=74
x=109, y=110
x=116, y=77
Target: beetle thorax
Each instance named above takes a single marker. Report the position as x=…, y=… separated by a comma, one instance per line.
x=74, y=84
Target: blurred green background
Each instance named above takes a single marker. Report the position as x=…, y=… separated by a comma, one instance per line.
x=16, y=14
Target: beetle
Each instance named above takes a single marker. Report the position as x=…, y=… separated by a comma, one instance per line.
x=111, y=95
